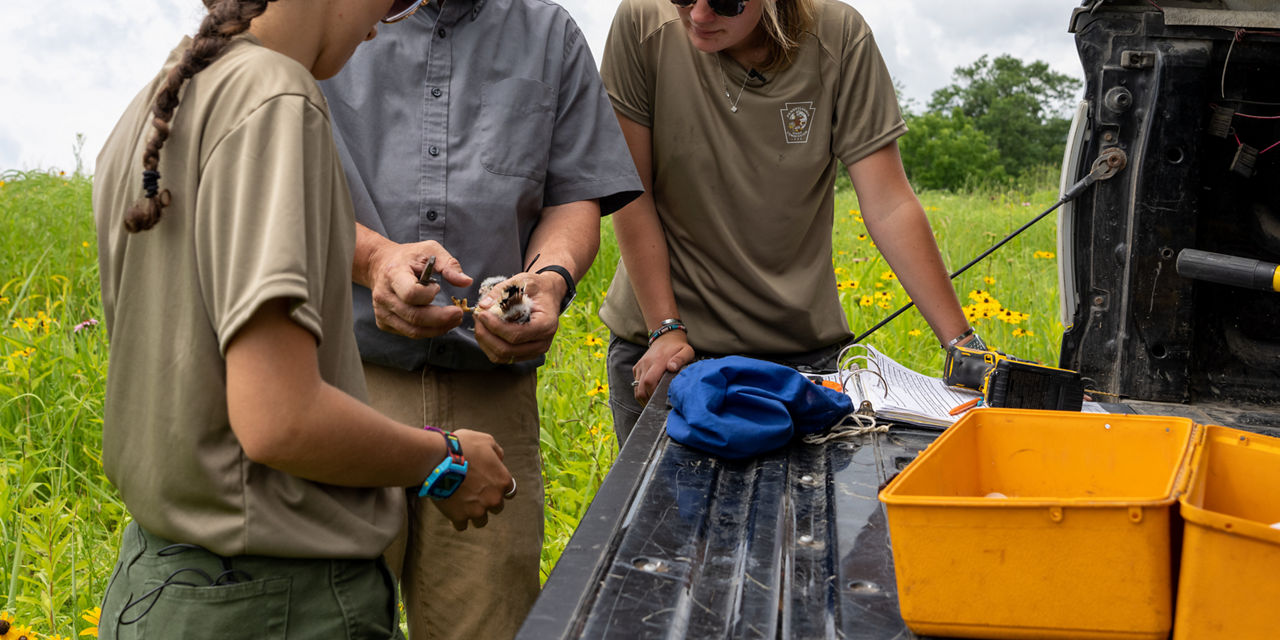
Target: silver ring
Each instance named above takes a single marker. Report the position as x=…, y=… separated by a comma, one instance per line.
x=635, y=383
x=511, y=493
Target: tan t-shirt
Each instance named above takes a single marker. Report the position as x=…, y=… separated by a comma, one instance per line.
x=260, y=211
x=746, y=199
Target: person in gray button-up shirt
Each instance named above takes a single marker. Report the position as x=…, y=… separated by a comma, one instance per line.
x=479, y=133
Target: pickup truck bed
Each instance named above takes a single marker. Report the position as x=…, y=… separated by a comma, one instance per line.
x=794, y=544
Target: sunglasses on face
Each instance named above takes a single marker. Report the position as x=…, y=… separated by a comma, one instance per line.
x=726, y=8
x=401, y=9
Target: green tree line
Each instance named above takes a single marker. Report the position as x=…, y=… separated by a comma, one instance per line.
x=999, y=120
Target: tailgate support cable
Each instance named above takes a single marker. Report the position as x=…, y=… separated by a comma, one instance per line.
x=1110, y=162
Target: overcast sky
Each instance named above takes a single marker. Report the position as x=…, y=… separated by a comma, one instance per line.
x=74, y=69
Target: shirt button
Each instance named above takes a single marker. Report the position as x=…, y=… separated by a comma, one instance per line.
x=433, y=151
x=435, y=92
x=432, y=215
x=441, y=32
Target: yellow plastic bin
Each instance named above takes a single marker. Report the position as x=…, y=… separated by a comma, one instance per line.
x=1040, y=524
x=1229, y=586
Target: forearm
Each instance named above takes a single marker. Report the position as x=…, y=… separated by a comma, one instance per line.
x=368, y=243
x=897, y=223
x=567, y=235
x=643, y=246
x=641, y=238
x=906, y=240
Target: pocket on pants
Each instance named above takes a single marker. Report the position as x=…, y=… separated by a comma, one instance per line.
x=257, y=609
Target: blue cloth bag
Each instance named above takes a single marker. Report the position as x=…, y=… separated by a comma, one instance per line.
x=737, y=407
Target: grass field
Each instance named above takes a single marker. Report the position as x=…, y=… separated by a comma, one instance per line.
x=60, y=519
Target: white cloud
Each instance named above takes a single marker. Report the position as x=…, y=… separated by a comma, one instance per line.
x=76, y=71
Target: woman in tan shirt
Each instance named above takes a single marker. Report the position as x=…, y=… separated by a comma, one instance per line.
x=262, y=489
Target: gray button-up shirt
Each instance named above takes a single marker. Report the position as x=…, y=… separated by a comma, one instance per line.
x=460, y=126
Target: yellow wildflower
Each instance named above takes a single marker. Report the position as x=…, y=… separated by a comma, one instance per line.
x=862, y=236
x=866, y=301
x=92, y=617
x=839, y=270
x=85, y=244
x=1020, y=332
x=598, y=389
x=914, y=333
x=1047, y=255
x=888, y=275
x=989, y=280
x=598, y=355
x=593, y=341
x=883, y=304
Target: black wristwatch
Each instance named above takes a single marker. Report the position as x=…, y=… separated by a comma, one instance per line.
x=570, y=290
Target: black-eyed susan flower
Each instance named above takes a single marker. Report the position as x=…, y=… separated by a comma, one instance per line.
x=1044, y=255
x=92, y=616
x=1022, y=333
x=593, y=341
x=866, y=301
x=598, y=389
x=862, y=237
x=888, y=275
x=988, y=280
x=598, y=355
x=914, y=333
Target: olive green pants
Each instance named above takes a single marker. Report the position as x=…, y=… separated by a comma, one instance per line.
x=478, y=583
x=162, y=590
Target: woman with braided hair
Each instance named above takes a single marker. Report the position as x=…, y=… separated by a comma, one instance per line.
x=739, y=114
x=263, y=490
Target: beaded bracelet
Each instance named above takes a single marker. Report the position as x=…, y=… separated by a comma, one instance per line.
x=670, y=324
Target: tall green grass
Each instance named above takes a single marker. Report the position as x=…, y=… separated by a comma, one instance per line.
x=60, y=519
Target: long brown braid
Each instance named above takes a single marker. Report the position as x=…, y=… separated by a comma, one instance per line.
x=226, y=19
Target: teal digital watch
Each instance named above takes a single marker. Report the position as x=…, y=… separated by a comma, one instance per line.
x=449, y=474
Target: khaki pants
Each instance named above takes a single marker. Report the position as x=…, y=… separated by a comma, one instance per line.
x=478, y=583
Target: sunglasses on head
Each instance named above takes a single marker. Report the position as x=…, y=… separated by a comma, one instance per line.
x=401, y=9
x=726, y=8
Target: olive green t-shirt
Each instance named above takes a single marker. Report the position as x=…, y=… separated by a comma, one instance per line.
x=260, y=211
x=746, y=199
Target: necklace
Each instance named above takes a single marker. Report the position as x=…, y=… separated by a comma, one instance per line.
x=724, y=77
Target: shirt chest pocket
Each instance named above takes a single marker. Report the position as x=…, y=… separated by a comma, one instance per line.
x=516, y=120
